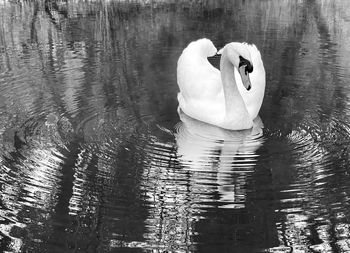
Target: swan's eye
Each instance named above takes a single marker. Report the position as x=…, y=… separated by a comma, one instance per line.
x=244, y=62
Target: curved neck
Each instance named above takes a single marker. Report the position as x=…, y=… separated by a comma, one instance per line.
x=233, y=99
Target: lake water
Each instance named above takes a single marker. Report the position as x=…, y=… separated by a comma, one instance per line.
x=94, y=156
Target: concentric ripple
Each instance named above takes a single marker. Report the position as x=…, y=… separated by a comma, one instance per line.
x=95, y=158
x=312, y=190
x=31, y=173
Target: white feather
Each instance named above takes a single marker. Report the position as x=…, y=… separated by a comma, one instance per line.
x=201, y=93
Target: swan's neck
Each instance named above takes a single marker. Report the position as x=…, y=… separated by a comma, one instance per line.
x=233, y=101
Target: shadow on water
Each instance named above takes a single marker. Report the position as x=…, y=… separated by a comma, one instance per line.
x=95, y=157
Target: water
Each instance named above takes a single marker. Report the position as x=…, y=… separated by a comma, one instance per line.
x=95, y=157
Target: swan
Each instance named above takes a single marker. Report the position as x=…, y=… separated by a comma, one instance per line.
x=230, y=98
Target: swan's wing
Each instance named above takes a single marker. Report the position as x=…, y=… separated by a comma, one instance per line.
x=196, y=77
x=203, y=47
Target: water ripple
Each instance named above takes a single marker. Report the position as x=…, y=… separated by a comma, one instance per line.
x=90, y=159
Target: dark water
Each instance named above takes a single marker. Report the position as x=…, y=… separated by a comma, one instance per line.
x=95, y=158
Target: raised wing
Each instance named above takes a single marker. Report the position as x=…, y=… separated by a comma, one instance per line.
x=196, y=77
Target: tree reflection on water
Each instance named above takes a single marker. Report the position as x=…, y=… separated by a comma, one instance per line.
x=91, y=159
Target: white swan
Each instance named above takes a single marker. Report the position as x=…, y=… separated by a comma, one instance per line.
x=230, y=99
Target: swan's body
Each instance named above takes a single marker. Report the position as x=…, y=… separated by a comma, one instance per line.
x=219, y=97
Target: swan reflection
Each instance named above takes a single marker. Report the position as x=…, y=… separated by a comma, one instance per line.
x=207, y=168
x=218, y=158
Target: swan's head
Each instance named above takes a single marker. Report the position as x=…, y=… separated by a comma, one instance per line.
x=239, y=55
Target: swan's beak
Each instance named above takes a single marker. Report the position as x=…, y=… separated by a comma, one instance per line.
x=245, y=77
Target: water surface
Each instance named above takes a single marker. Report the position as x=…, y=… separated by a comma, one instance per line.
x=94, y=156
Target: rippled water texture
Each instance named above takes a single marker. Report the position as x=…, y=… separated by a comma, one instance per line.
x=95, y=157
